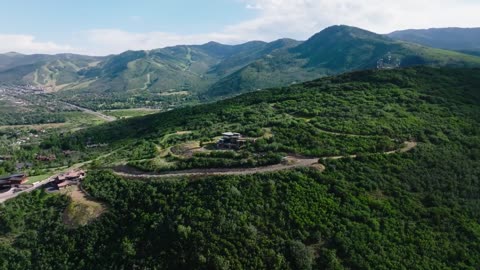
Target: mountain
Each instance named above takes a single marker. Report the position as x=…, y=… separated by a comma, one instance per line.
x=187, y=74
x=453, y=38
x=166, y=76
x=368, y=202
x=334, y=50
x=53, y=72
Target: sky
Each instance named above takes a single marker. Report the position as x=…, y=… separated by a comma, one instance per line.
x=103, y=27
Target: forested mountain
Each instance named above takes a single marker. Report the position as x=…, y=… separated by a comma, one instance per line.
x=334, y=50
x=174, y=76
x=53, y=72
x=452, y=38
x=413, y=210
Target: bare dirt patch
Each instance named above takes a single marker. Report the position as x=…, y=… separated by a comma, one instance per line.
x=82, y=210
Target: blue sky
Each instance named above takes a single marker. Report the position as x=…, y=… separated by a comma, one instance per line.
x=59, y=18
x=104, y=26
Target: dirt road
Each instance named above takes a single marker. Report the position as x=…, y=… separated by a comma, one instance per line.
x=290, y=162
x=407, y=147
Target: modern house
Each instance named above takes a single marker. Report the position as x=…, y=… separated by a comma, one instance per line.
x=231, y=140
x=46, y=158
x=13, y=180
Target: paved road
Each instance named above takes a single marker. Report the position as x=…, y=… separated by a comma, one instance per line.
x=107, y=118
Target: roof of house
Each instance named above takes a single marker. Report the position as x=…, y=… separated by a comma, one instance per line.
x=70, y=175
x=13, y=176
x=230, y=134
x=63, y=184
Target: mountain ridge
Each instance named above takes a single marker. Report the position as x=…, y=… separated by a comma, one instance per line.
x=450, y=38
x=175, y=75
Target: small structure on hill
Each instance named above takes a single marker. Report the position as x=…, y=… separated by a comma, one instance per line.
x=13, y=180
x=46, y=157
x=68, y=179
x=231, y=140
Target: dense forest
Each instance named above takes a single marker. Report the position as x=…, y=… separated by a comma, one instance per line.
x=413, y=210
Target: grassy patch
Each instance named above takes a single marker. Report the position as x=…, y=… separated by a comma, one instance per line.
x=127, y=113
x=37, y=178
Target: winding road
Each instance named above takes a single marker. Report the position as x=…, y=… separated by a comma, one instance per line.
x=289, y=162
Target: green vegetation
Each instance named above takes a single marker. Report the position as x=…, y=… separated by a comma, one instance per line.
x=413, y=210
x=334, y=50
x=130, y=113
x=221, y=159
x=316, y=119
x=22, y=144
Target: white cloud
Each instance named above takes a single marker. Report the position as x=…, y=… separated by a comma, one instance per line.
x=275, y=19
x=28, y=44
x=302, y=18
x=135, y=18
x=256, y=6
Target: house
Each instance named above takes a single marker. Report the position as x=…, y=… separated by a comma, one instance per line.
x=68, y=179
x=13, y=180
x=46, y=158
x=231, y=140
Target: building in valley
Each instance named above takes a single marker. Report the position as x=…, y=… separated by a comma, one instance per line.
x=13, y=180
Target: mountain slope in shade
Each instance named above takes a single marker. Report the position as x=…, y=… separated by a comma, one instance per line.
x=453, y=38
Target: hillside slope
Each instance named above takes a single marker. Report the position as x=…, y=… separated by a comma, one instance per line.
x=165, y=77
x=412, y=210
x=51, y=72
x=334, y=50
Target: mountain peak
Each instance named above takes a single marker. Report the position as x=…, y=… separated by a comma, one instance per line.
x=338, y=35
x=12, y=54
x=345, y=30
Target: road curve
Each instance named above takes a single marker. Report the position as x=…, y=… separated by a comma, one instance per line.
x=290, y=162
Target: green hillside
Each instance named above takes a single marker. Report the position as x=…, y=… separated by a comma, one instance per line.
x=52, y=72
x=335, y=50
x=417, y=209
x=163, y=78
